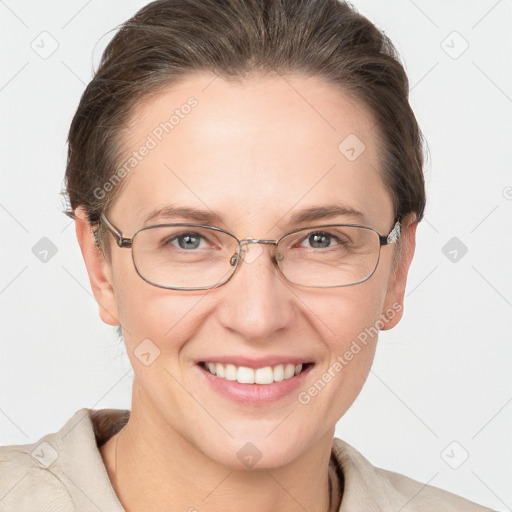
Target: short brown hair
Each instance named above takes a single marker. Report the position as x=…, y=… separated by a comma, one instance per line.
x=169, y=39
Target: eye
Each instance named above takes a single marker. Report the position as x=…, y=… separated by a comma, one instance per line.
x=187, y=241
x=319, y=240
x=322, y=240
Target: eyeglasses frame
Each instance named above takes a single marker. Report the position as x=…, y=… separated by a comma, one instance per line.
x=127, y=243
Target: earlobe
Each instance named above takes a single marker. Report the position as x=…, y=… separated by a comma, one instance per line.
x=393, y=304
x=98, y=269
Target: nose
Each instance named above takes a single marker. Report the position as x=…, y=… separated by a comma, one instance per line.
x=257, y=300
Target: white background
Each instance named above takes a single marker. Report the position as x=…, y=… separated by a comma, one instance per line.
x=442, y=376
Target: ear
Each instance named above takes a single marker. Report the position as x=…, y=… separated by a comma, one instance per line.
x=99, y=270
x=394, y=300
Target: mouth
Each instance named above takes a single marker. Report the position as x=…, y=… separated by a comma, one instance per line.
x=265, y=375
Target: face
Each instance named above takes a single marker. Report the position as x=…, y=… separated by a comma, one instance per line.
x=255, y=155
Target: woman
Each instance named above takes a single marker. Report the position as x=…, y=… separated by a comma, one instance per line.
x=246, y=182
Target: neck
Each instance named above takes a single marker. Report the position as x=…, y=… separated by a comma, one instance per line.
x=175, y=476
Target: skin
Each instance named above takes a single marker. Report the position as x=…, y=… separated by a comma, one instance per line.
x=255, y=153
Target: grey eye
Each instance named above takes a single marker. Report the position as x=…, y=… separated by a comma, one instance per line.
x=319, y=240
x=188, y=240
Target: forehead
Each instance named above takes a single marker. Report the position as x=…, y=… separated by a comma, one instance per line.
x=259, y=149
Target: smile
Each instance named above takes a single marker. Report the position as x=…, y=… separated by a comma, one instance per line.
x=245, y=375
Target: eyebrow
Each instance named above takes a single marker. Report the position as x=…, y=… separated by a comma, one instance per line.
x=326, y=212
x=212, y=218
x=193, y=214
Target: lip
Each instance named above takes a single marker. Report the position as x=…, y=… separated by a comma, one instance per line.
x=254, y=394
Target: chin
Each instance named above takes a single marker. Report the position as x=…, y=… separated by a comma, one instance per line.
x=257, y=450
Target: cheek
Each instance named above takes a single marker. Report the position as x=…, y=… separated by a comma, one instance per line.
x=341, y=314
x=149, y=312
x=157, y=314
x=348, y=320
x=354, y=343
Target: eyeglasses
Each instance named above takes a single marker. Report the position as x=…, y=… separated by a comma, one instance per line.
x=196, y=257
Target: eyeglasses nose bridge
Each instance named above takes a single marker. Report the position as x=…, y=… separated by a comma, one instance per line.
x=236, y=258
x=256, y=241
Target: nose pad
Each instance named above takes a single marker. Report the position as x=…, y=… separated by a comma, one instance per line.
x=250, y=256
x=233, y=261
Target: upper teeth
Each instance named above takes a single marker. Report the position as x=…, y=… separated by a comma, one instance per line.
x=245, y=375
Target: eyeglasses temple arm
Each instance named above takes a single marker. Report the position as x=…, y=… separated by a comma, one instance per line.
x=120, y=239
x=392, y=236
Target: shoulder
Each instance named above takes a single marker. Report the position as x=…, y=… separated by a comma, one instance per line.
x=386, y=490
x=423, y=497
x=62, y=471
x=25, y=483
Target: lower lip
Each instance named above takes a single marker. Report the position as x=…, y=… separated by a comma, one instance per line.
x=255, y=393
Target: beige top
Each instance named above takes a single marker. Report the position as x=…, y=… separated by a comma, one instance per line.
x=64, y=472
